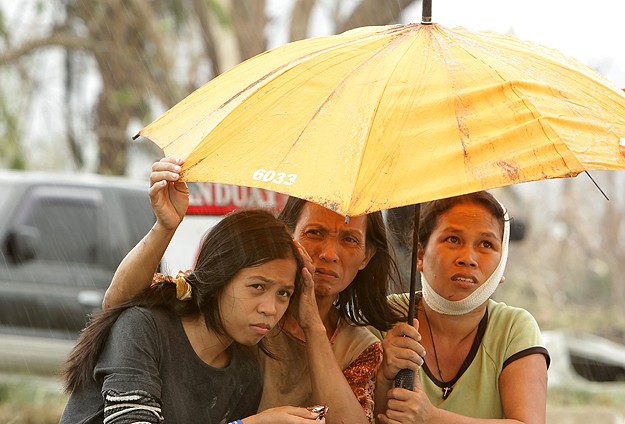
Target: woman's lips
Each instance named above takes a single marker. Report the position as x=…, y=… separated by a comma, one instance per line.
x=261, y=328
x=326, y=273
x=464, y=280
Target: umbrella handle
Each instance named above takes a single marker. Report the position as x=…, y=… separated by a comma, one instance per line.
x=405, y=379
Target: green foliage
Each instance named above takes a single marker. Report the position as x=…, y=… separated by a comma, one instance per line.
x=221, y=13
x=573, y=397
x=40, y=6
x=3, y=29
x=26, y=400
x=10, y=147
x=124, y=98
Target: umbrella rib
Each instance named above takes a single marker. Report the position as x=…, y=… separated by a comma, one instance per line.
x=519, y=97
x=258, y=82
x=414, y=28
x=393, y=42
x=399, y=30
x=561, y=62
x=291, y=63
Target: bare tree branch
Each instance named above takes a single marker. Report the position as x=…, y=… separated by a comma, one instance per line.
x=208, y=39
x=300, y=19
x=249, y=25
x=56, y=39
x=370, y=12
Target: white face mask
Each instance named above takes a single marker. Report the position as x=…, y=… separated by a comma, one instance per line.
x=479, y=296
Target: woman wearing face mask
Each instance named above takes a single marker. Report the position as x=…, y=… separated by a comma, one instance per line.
x=485, y=360
x=327, y=357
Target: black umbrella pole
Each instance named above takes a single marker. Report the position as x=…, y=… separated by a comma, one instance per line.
x=426, y=12
x=405, y=378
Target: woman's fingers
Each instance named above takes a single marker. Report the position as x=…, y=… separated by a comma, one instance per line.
x=403, y=329
x=397, y=359
x=308, y=263
x=169, y=197
x=167, y=160
x=167, y=169
x=285, y=415
x=402, y=350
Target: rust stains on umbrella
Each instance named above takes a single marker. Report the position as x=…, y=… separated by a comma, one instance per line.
x=511, y=170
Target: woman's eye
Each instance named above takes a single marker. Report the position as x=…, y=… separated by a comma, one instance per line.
x=453, y=239
x=315, y=234
x=257, y=286
x=488, y=244
x=285, y=293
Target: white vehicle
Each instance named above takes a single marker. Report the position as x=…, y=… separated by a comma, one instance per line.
x=584, y=360
x=208, y=203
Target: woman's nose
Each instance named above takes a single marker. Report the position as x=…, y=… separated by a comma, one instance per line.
x=467, y=257
x=329, y=251
x=268, y=307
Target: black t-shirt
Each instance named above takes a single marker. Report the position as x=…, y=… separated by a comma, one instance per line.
x=148, y=350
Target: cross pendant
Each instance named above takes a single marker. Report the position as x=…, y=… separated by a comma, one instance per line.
x=446, y=392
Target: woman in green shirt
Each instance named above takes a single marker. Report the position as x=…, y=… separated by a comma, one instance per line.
x=485, y=360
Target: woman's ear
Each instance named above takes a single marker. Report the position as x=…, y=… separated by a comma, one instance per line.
x=420, y=259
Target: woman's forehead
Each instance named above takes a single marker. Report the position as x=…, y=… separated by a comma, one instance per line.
x=313, y=213
x=470, y=214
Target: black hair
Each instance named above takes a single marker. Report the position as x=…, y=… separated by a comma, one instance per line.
x=364, y=300
x=242, y=239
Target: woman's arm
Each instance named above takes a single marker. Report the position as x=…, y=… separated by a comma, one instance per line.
x=523, y=387
x=329, y=385
x=169, y=200
x=283, y=415
x=136, y=270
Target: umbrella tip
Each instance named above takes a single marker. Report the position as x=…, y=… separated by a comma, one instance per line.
x=426, y=14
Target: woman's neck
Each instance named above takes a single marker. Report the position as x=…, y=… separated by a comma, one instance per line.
x=328, y=313
x=209, y=346
x=454, y=326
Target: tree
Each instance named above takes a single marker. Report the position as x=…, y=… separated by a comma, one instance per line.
x=134, y=47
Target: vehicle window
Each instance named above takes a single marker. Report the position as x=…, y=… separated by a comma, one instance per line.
x=139, y=215
x=67, y=227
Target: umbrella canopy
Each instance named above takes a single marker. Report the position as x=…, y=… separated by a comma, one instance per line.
x=380, y=117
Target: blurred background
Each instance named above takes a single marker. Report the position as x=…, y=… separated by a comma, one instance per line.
x=79, y=78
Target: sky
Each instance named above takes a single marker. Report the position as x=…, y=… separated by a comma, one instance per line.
x=593, y=31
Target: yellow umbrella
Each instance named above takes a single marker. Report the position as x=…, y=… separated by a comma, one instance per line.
x=380, y=117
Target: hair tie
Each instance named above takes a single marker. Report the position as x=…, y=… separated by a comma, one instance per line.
x=183, y=288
